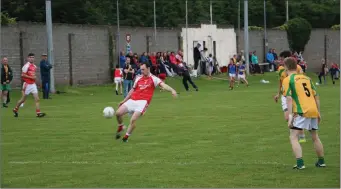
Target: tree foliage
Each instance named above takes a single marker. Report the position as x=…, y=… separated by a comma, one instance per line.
x=321, y=14
x=298, y=32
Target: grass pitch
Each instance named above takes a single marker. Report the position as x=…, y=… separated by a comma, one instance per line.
x=211, y=138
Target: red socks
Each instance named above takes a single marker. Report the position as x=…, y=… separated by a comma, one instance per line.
x=120, y=128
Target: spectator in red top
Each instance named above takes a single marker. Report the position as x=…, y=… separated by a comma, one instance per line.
x=153, y=61
x=172, y=58
x=172, y=61
x=179, y=57
x=153, y=58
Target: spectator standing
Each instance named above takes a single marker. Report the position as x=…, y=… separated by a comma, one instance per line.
x=210, y=65
x=45, y=74
x=196, y=57
x=128, y=77
x=254, y=60
x=130, y=55
x=6, y=78
x=271, y=60
x=122, y=60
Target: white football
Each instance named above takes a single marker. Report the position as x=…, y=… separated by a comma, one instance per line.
x=108, y=112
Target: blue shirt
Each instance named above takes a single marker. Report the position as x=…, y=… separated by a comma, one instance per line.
x=45, y=68
x=232, y=69
x=270, y=57
x=241, y=69
x=144, y=59
x=122, y=61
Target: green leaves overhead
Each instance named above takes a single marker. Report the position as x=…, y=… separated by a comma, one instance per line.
x=320, y=14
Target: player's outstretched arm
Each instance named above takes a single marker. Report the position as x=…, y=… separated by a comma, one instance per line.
x=168, y=88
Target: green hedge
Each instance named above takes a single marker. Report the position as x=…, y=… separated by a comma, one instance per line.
x=298, y=33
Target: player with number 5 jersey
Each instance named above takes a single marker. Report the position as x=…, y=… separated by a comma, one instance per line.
x=304, y=111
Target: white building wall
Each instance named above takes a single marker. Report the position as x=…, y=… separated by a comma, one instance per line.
x=226, y=43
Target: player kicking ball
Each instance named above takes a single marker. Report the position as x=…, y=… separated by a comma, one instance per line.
x=138, y=99
x=282, y=75
x=241, y=74
x=304, y=111
x=29, y=87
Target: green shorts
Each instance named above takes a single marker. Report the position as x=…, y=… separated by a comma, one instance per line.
x=5, y=87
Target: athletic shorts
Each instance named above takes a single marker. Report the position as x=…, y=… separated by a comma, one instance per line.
x=136, y=106
x=118, y=80
x=30, y=88
x=5, y=87
x=241, y=77
x=300, y=123
x=284, y=103
x=232, y=75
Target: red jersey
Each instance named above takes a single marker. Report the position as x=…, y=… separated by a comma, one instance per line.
x=172, y=59
x=118, y=73
x=30, y=70
x=178, y=59
x=144, y=87
x=153, y=59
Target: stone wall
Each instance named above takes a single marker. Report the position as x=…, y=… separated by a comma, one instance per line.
x=90, y=58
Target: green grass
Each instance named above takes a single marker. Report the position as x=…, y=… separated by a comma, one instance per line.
x=211, y=138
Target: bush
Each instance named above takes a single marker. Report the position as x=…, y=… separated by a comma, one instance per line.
x=283, y=27
x=6, y=20
x=255, y=28
x=298, y=32
x=336, y=27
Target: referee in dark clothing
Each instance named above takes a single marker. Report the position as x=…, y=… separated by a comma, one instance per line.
x=186, y=77
x=196, y=56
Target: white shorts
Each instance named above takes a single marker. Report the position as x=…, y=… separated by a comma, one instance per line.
x=305, y=123
x=284, y=103
x=136, y=106
x=30, y=88
x=241, y=77
x=118, y=80
x=232, y=75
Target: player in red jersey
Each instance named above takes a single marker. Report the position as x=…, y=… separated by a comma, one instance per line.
x=138, y=99
x=118, y=78
x=29, y=87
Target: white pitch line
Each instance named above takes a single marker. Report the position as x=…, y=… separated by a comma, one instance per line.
x=141, y=162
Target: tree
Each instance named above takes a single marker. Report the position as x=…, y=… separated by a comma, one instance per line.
x=320, y=13
x=298, y=32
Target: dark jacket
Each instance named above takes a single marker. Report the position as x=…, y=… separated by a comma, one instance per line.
x=3, y=74
x=196, y=54
x=45, y=68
